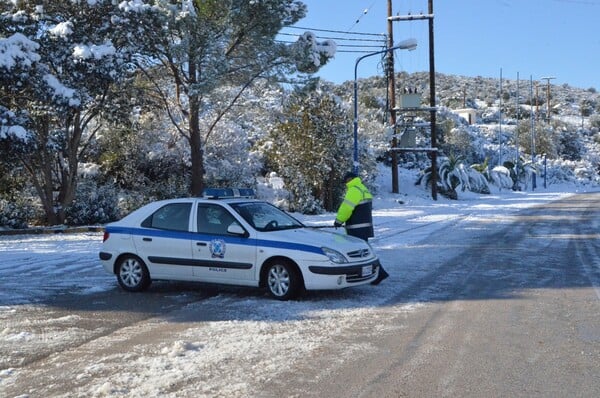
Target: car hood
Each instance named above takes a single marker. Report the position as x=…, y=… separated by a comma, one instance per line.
x=318, y=238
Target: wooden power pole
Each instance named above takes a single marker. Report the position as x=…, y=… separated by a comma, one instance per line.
x=432, y=104
x=392, y=97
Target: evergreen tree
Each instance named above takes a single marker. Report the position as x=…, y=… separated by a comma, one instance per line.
x=312, y=150
x=205, y=44
x=67, y=61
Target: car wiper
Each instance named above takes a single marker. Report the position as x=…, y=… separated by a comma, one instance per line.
x=291, y=227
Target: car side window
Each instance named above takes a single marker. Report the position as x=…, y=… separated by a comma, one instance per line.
x=173, y=217
x=214, y=219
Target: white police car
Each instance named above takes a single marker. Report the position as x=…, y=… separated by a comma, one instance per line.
x=227, y=237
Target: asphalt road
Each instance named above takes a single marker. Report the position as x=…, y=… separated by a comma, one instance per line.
x=512, y=311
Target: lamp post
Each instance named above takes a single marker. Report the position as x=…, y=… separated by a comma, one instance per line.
x=409, y=44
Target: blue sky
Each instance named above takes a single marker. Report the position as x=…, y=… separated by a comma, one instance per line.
x=538, y=38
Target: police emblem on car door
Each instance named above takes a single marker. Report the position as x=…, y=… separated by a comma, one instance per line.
x=218, y=254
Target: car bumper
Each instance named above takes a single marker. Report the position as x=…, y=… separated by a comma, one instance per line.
x=106, y=259
x=341, y=276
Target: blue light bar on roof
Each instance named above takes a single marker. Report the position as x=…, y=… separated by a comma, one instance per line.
x=224, y=193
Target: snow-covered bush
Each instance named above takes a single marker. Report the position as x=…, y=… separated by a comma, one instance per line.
x=302, y=199
x=570, y=145
x=595, y=121
x=228, y=158
x=454, y=175
x=564, y=171
x=500, y=177
x=132, y=200
x=476, y=180
x=93, y=204
x=272, y=189
x=16, y=214
x=458, y=140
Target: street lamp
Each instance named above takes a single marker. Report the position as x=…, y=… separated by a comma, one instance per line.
x=409, y=44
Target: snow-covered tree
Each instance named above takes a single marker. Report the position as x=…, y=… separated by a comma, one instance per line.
x=202, y=45
x=63, y=65
x=545, y=138
x=312, y=149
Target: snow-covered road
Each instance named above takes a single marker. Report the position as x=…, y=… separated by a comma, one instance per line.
x=67, y=330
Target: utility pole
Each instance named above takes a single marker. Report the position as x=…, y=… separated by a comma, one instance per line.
x=517, y=132
x=533, y=179
x=432, y=104
x=432, y=108
x=537, y=104
x=547, y=96
x=392, y=97
x=500, y=162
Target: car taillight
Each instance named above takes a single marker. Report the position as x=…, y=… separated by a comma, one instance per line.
x=106, y=236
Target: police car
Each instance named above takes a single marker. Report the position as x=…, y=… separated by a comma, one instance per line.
x=227, y=237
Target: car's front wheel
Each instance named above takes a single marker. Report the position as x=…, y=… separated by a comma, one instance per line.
x=283, y=280
x=132, y=274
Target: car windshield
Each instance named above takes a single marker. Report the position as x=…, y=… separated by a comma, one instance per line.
x=266, y=217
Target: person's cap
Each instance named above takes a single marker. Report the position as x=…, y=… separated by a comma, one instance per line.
x=349, y=175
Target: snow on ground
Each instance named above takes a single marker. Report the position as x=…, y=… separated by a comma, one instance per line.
x=252, y=338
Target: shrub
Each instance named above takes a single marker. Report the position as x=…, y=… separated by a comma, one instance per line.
x=16, y=214
x=93, y=205
x=454, y=175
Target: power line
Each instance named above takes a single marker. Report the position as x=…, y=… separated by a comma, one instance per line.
x=338, y=31
x=349, y=46
x=337, y=38
x=365, y=42
x=366, y=10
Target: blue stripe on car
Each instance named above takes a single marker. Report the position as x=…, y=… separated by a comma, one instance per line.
x=227, y=239
x=198, y=263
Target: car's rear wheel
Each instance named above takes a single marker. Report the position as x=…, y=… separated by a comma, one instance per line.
x=132, y=274
x=283, y=280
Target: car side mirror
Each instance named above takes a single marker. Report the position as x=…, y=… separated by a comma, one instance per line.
x=236, y=229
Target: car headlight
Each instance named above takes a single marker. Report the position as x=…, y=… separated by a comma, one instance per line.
x=334, y=255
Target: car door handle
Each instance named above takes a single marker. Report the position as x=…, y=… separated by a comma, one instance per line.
x=201, y=243
x=147, y=239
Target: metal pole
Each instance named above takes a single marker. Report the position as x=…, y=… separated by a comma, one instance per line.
x=548, y=99
x=545, y=171
x=355, y=157
x=432, y=104
x=517, y=134
x=532, y=133
x=500, y=124
x=392, y=98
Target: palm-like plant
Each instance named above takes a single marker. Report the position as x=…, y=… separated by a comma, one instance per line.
x=454, y=174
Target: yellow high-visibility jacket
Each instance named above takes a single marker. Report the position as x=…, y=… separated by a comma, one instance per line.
x=355, y=210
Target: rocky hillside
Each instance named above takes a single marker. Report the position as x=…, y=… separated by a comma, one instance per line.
x=501, y=129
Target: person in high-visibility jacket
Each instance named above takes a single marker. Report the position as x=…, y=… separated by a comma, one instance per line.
x=355, y=212
x=356, y=209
